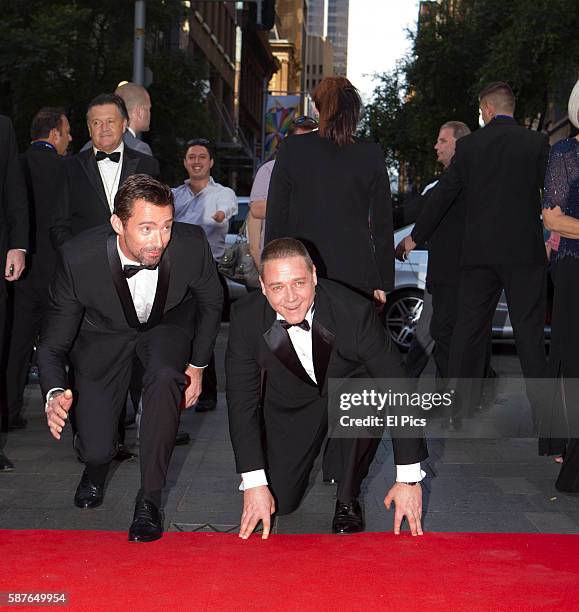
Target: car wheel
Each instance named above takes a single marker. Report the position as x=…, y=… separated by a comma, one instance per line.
x=401, y=313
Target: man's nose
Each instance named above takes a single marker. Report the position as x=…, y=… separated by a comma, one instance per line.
x=290, y=294
x=157, y=239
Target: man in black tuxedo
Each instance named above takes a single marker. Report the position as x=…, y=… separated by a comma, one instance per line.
x=92, y=177
x=42, y=167
x=145, y=288
x=13, y=228
x=498, y=173
x=293, y=338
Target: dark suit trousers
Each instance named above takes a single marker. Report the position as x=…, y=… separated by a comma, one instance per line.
x=480, y=290
x=163, y=352
x=289, y=472
x=29, y=307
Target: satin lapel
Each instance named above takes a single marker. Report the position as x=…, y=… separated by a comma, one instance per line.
x=162, y=289
x=279, y=343
x=130, y=164
x=322, y=339
x=89, y=164
x=121, y=283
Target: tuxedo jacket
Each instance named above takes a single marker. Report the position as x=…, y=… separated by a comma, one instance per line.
x=91, y=315
x=43, y=170
x=13, y=201
x=337, y=201
x=83, y=202
x=130, y=141
x=347, y=340
x=500, y=169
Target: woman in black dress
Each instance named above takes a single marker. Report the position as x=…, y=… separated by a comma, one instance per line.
x=561, y=214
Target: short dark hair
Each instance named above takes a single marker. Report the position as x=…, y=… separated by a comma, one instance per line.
x=140, y=187
x=500, y=94
x=46, y=119
x=108, y=98
x=282, y=248
x=200, y=142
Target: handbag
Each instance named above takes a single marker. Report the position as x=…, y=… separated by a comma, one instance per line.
x=237, y=263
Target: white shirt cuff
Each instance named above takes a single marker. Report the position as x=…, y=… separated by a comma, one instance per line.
x=196, y=367
x=250, y=480
x=47, y=395
x=409, y=473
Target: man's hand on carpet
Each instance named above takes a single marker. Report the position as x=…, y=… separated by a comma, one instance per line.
x=57, y=412
x=258, y=505
x=193, y=390
x=408, y=503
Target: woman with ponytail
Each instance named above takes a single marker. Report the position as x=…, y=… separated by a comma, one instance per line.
x=331, y=190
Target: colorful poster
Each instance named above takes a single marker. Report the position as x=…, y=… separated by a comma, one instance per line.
x=279, y=115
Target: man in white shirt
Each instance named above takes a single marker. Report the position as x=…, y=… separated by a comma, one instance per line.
x=201, y=201
x=283, y=347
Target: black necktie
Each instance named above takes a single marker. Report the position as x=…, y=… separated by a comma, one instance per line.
x=130, y=270
x=303, y=325
x=114, y=157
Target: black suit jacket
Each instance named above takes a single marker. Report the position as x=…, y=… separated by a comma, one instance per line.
x=43, y=171
x=337, y=201
x=346, y=337
x=83, y=202
x=13, y=201
x=91, y=313
x=501, y=170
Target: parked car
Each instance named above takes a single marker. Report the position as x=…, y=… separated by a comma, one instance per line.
x=404, y=303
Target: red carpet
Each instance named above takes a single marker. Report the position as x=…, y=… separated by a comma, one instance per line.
x=372, y=571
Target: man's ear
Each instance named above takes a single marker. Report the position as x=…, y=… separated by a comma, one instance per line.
x=117, y=225
x=262, y=285
x=125, y=125
x=314, y=275
x=212, y=162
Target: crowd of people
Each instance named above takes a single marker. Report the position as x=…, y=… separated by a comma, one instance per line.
x=114, y=279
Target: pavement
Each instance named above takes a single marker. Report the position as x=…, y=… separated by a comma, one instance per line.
x=483, y=485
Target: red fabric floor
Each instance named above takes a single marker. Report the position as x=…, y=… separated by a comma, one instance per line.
x=371, y=571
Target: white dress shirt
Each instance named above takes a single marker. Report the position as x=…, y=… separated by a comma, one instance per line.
x=111, y=175
x=302, y=343
x=142, y=286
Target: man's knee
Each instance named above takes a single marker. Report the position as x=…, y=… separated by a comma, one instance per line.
x=95, y=454
x=164, y=375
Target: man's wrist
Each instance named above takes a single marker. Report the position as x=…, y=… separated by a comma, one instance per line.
x=55, y=392
x=253, y=479
x=409, y=473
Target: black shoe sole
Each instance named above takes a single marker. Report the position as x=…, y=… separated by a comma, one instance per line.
x=134, y=538
x=88, y=506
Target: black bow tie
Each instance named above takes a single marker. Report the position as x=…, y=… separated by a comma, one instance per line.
x=130, y=270
x=303, y=325
x=114, y=157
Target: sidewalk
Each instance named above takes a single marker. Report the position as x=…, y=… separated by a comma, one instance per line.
x=472, y=485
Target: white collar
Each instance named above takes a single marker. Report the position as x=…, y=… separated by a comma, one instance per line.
x=132, y=131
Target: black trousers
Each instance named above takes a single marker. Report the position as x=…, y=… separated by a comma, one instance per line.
x=289, y=473
x=479, y=293
x=163, y=352
x=29, y=305
x=444, y=317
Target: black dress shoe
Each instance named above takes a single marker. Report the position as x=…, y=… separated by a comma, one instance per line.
x=182, y=438
x=5, y=464
x=147, y=524
x=18, y=422
x=124, y=454
x=206, y=405
x=88, y=495
x=348, y=518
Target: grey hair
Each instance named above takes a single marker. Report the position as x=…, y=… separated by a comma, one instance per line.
x=459, y=129
x=573, y=108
